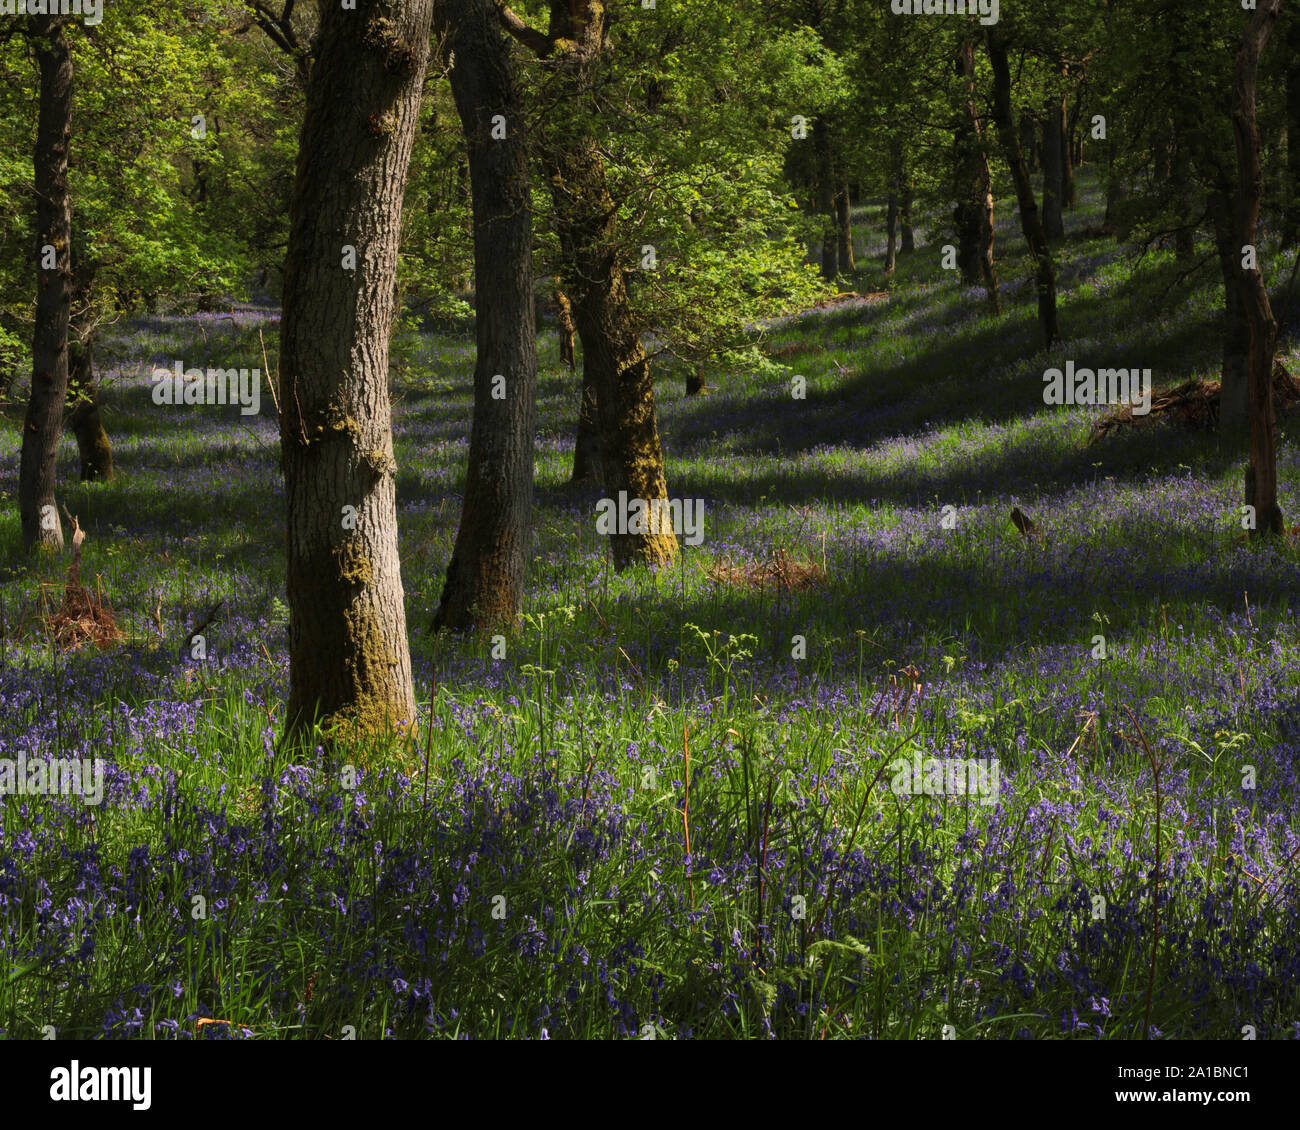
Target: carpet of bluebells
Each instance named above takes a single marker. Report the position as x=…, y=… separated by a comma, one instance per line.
x=652, y=813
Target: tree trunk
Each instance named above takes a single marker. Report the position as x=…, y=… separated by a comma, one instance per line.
x=1069, y=191
x=566, y=329
x=1054, y=167
x=1291, y=227
x=1261, y=479
x=43, y=425
x=907, y=237
x=826, y=199
x=586, y=221
x=1029, y=145
x=844, y=230
x=891, y=231
x=1233, y=417
x=974, y=189
x=1044, y=270
x=348, y=654
x=93, y=447
x=586, y=449
x=485, y=577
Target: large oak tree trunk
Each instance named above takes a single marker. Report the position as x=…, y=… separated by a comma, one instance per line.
x=973, y=189
x=43, y=425
x=485, y=578
x=1044, y=269
x=348, y=654
x=1261, y=477
x=586, y=221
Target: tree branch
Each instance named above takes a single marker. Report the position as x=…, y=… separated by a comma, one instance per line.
x=529, y=36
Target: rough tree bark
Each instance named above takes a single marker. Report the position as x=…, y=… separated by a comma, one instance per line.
x=973, y=189
x=43, y=425
x=1261, y=476
x=349, y=661
x=485, y=577
x=586, y=222
x=1044, y=269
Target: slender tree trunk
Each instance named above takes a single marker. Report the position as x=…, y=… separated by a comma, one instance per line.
x=93, y=447
x=1233, y=414
x=891, y=231
x=565, y=326
x=1044, y=270
x=1261, y=478
x=43, y=425
x=1028, y=140
x=586, y=221
x=974, y=189
x=895, y=180
x=1291, y=228
x=348, y=656
x=1069, y=192
x=906, y=236
x=485, y=577
x=844, y=230
x=586, y=447
x=826, y=199
x=1054, y=167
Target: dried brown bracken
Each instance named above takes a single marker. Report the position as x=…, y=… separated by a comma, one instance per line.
x=83, y=617
x=1195, y=404
x=778, y=571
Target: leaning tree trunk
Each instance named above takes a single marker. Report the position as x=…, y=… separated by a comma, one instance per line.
x=1261, y=477
x=43, y=425
x=1054, y=167
x=485, y=578
x=1044, y=270
x=93, y=447
x=348, y=654
x=973, y=189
